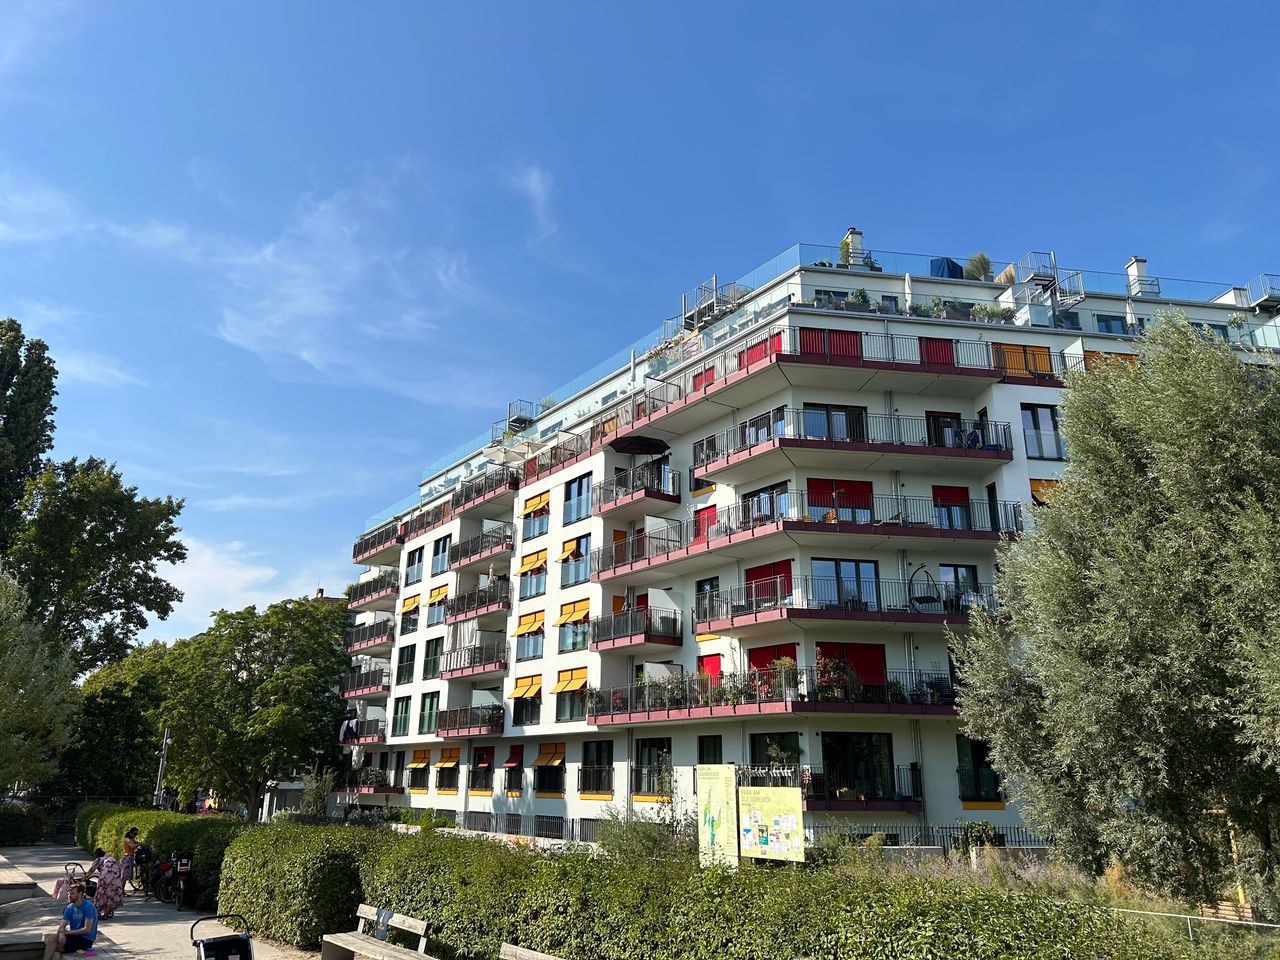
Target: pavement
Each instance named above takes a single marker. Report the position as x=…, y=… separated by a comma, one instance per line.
x=139, y=930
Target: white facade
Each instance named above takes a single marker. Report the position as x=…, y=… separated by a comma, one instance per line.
x=863, y=455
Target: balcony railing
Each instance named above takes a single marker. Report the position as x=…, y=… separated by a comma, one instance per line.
x=480, y=778
x=488, y=653
x=484, y=719
x=485, y=485
x=368, y=634
x=653, y=779
x=595, y=779
x=366, y=680
x=497, y=538
x=1044, y=444
x=838, y=785
x=891, y=515
x=357, y=730
x=420, y=523
x=644, y=478
x=857, y=429
x=370, y=588
x=845, y=595
x=647, y=622
x=558, y=454
x=497, y=592
x=980, y=784
x=375, y=541
x=799, y=688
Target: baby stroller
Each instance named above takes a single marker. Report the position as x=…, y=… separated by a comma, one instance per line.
x=232, y=946
x=71, y=873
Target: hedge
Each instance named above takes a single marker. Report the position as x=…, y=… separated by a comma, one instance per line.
x=21, y=823
x=294, y=883
x=205, y=837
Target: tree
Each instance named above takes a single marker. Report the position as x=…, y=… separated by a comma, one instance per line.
x=38, y=706
x=1129, y=684
x=254, y=698
x=978, y=267
x=26, y=417
x=88, y=548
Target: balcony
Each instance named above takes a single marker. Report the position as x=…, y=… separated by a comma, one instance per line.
x=367, y=780
x=483, y=603
x=652, y=780
x=636, y=631
x=848, y=439
x=483, y=659
x=595, y=781
x=979, y=785
x=370, y=639
x=752, y=529
x=359, y=732
x=639, y=491
x=471, y=721
x=1264, y=292
x=829, y=689
x=840, y=789
x=558, y=455
x=368, y=685
x=483, y=548
x=494, y=488
x=376, y=594
x=379, y=547
x=741, y=609
x=426, y=521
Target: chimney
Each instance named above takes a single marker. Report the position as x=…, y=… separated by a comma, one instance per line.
x=854, y=236
x=1139, y=282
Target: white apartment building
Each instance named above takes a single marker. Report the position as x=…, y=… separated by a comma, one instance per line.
x=742, y=539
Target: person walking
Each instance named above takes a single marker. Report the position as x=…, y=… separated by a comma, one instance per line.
x=78, y=928
x=110, y=883
x=131, y=845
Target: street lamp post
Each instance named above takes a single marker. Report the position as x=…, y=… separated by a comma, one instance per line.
x=164, y=755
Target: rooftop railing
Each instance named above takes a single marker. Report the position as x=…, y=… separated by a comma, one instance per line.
x=499, y=537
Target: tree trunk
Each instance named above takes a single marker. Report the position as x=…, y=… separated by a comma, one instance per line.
x=254, y=801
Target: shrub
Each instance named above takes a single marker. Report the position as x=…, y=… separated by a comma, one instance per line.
x=21, y=823
x=294, y=883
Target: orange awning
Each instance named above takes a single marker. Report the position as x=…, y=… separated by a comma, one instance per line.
x=534, y=504
x=449, y=757
x=532, y=562
x=570, y=551
x=531, y=623
x=526, y=687
x=410, y=603
x=569, y=681
x=574, y=612
x=421, y=759
x=438, y=594
x=550, y=755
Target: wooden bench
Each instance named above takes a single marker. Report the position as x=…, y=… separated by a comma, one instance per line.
x=364, y=942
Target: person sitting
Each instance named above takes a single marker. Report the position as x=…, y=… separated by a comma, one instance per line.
x=79, y=926
x=110, y=883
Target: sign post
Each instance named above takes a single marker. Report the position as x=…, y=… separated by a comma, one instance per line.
x=717, y=814
x=771, y=823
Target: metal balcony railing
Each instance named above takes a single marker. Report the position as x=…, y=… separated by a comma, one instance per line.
x=558, y=453
x=856, y=783
x=500, y=537
x=492, y=652
x=488, y=483
x=366, y=633
x=366, y=680
x=979, y=784
x=846, y=594
x=595, y=779
x=374, y=541
x=487, y=718
x=363, y=729
x=646, y=477
x=654, y=779
x=650, y=621
x=499, y=591
x=422, y=522
x=369, y=588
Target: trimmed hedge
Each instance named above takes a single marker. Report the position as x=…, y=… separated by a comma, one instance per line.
x=206, y=837
x=295, y=883
x=21, y=823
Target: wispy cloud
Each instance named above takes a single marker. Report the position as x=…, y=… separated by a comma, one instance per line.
x=536, y=184
x=95, y=369
x=32, y=212
x=29, y=29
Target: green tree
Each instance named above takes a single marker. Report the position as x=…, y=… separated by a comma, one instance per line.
x=88, y=549
x=1129, y=685
x=38, y=705
x=977, y=267
x=26, y=417
x=254, y=698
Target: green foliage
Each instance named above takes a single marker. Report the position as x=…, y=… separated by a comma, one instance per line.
x=978, y=267
x=205, y=837
x=317, y=789
x=21, y=823
x=39, y=702
x=26, y=418
x=295, y=883
x=1130, y=685
x=254, y=698
x=626, y=835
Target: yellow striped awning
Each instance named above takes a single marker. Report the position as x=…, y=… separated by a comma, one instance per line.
x=704, y=637
x=410, y=603
x=421, y=759
x=550, y=755
x=574, y=612
x=449, y=757
x=534, y=504
x=527, y=687
x=438, y=594
x=532, y=561
x=569, y=681
x=570, y=551
x=531, y=623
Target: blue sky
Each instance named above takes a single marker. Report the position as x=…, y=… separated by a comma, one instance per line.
x=283, y=252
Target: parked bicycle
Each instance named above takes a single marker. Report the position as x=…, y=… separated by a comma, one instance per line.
x=170, y=879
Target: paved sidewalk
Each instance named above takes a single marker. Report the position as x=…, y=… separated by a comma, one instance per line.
x=153, y=931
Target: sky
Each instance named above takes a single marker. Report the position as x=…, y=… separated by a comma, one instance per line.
x=286, y=253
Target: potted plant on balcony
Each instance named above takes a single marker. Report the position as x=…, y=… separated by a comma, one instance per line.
x=896, y=693
x=371, y=777
x=788, y=677
x=861, y=301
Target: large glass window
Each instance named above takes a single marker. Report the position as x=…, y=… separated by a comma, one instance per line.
x=577, y=499
x=428, y=712
x=527, y=710
x=1110, y=323
x=770, y=748
x=711, y=748
x=571, y=705
x=952, y=508
x=847, y=584
x=400, y=717
x=440, y=555
x=767, y=503
x=1040, y=431
x=404, y=665
x=978, y=779
x=652, y=771
x=435, y=613
x=704, y=593
x=409, y=621
x=823, y=421
x=574, y=636
x=432, y=650
x=860, y=765
x=413, y=566
x=575, y=561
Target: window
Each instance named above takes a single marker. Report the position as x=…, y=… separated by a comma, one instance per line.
x=943, y=429
x=704, y=521
x=978, y=781
x=514, y=767
x=711, y=748
x=862, y=764
x=826, y=422
x=480, y=773
x=767, y=748
x=432, y=650
x=447, y=770
x=440, y=555
x=548, y=769
x=1040, y=431
x=577, y=499
x=404, y=666
x=1067, y=320
x=435, y=612
x=888, y=304
x=420, y=770
x=428, y=712
x=651, y=774
x=709, y=666
x=533, y=575
x=400, y=717
x=529, y=633
x=1213, y=329
x=704, y=594
x=575, y=561
x=847, y=501
x=409, y=620
x=413, y=566
x=847, y=584
x=571, y=695
x=574, y=623
x=596, y=773
x=527, y=694
x=763, y=427
x=958, y=578
x=767, y=503
x=951, y=508
x=535, y=516
x=1109, y=322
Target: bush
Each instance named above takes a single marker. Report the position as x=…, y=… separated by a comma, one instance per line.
x=205, y=837
x=294, y=883
x=21, y=823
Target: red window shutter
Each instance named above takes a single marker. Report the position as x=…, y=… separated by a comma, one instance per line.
x=775, y=343
x=703, y=521
x=782, y=570
x=821, y=493
x=697, y=381
x=704, y=378
x=854, y=493
x=951, y=496
x=813, y=341
x=642, y=601
x=832, y=651
x=759, y=658
x=785, y=649
x=710, y=665
x=867, y=661
x=938, y=350
x=762, y=572
x=846, y=343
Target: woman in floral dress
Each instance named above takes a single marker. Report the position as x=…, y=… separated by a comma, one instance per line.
x=110, y=883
